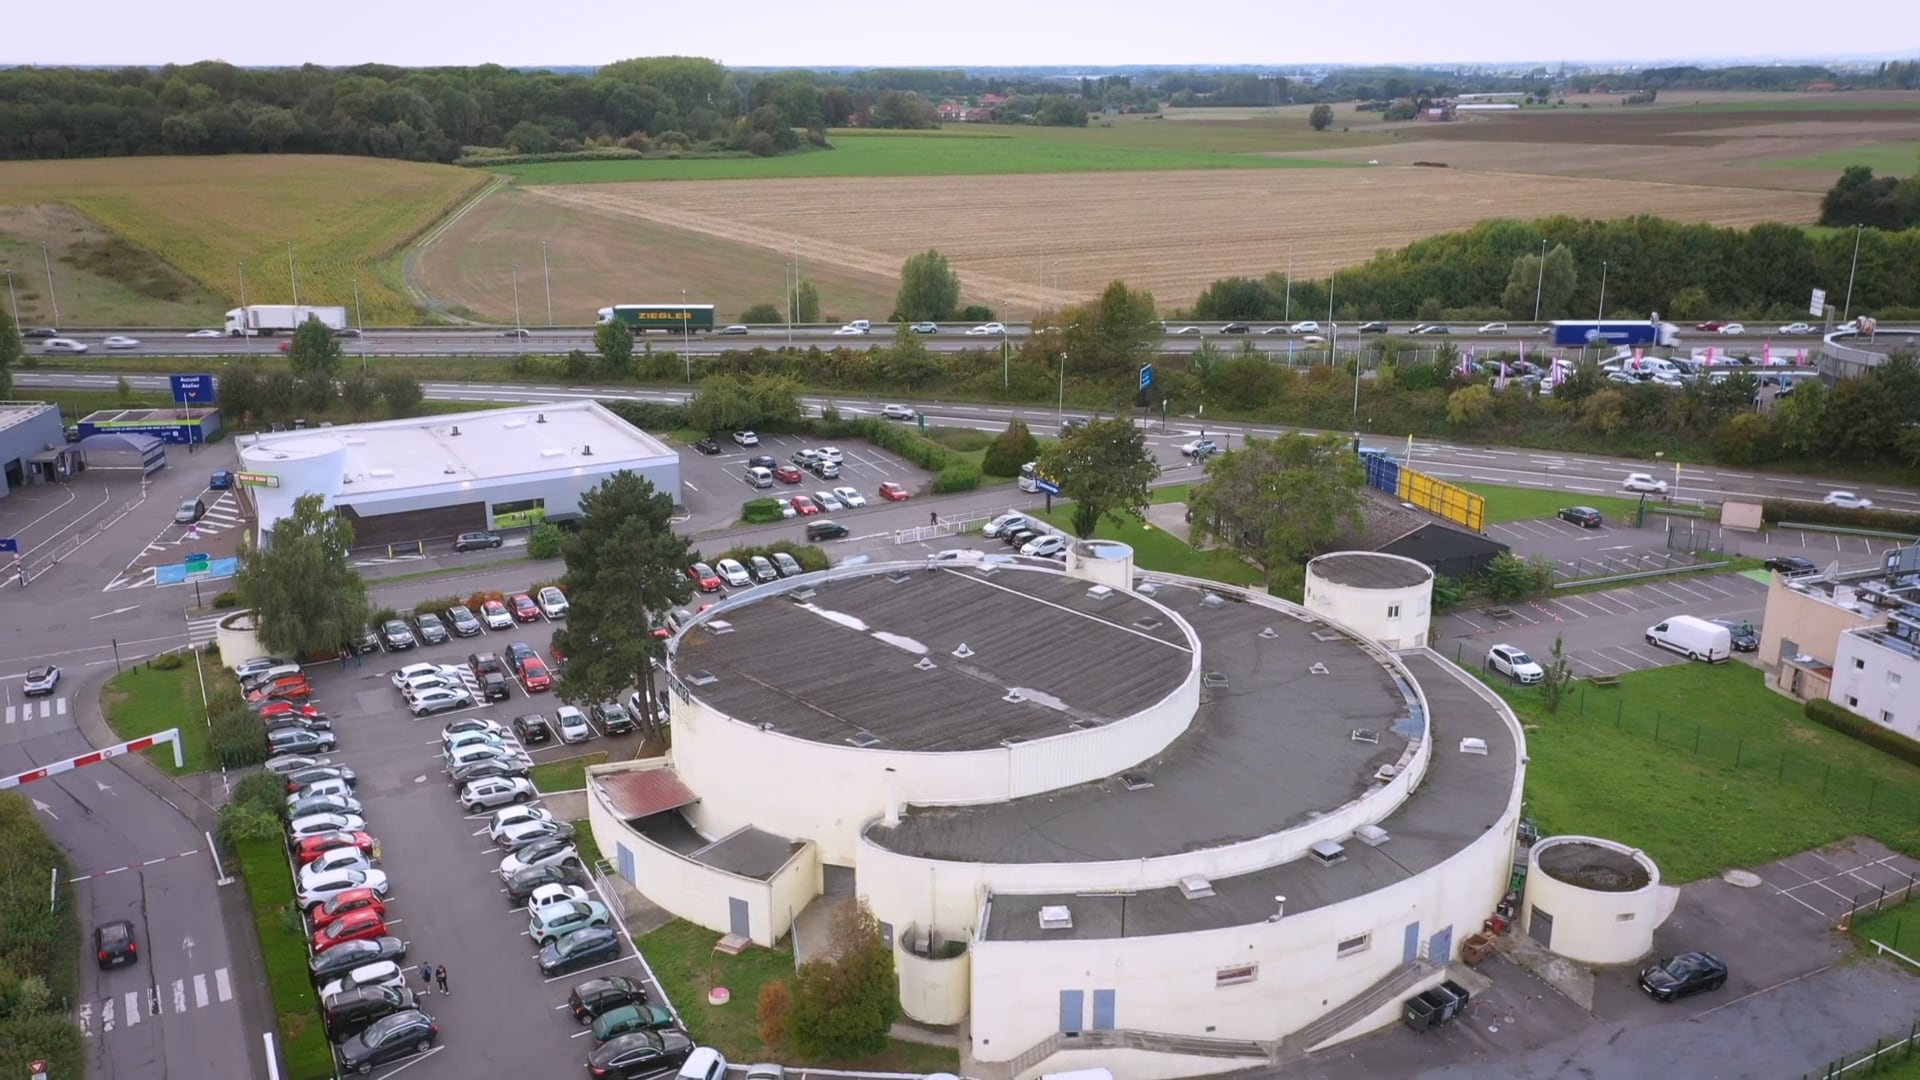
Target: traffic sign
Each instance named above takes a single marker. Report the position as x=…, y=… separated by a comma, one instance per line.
x=1046, y=486
x=10, y=543
x=1146, y=376
x=192, y=389
x=196, y=563
x=1818, y=305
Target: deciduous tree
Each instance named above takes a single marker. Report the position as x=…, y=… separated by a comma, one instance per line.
x=1551, y=280
x=1320, y=117
x=929, y=289
x=304, y=596
x=315, y=352
x=1009, y=450
x=614, y=342
x=1470, y=406
x=843, y=1008
x=806, y=302
x=1276, y=501
x=401, y=392
x=358, y=393
x=1104, y=468
x=11, y=351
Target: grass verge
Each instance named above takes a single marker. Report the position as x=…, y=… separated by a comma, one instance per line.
x=1525, y=504
x=1157, y=549
x=564, y=774
x=143, y=700
x=585, y=844
x=41, y=941
x=1885, y=159
x=682, y=958
x=296, y=1010
x=1705, y=768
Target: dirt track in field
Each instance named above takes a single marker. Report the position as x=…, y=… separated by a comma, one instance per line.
x=1172, y=233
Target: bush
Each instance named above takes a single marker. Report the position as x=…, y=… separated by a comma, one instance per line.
x=844, y=1007
x=760, y=511
x=166, y=662
x=381, y=615
x=545, y=541
x=1777, y=510
x=809, y=557
x=1509, y=578
x=475, y=600
x=964, y=440
x=225, y=600
x=649, y=415
x=238, y=739
x=253, y=810
x=771, y=1010
x=437, y=604
x=959, y=476
x=1013, y=448
x=1828, y=714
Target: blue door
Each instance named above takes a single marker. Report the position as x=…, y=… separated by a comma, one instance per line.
x=1410, y=949
x=737, y=920
x=1440, y=946
x=1103, y=1010
x=1072, y=1008
x=625, y=858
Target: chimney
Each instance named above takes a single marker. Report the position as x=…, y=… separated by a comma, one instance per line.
x=892, y=819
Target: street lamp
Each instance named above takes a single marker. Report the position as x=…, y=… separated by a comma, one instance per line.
x=516, y=299
x=1848, y=310
x=1540, y=279
x=1288, y=316
x=547, y=273
x=52, y=297
x=686, y=327
x=1006, y=359
x=15, y=300
x=293, y=277
x=1062, y=407
x=360, y=324
x=1601, y=316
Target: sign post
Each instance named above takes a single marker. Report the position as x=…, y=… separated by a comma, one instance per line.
x=1817, y=306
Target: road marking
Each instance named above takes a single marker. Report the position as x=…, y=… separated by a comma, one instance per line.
x=86, y=1020
x=199, y=991
x=133, y=1007
x=179, y=995
x=106, y=1016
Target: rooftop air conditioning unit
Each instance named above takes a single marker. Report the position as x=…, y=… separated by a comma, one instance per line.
x=1371, y=835
x=1327, y=853
x=1099, y=592
x=1056, y=917
x=1194, y=887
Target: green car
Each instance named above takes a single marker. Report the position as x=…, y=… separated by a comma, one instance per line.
x=631, y=1018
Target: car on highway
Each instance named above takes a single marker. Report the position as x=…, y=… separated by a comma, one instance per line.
x=544, y=853
x=849, y=498
x=1305, y=327
x=524, y=609
x=517, y=332
x=375, y=973
x=1710, y=324
x=360, y=924
x=572, y=724
x=494, y=791
x=1798, y=328
x=746, y=438
x=893, y=492
x=121, y=342
x=826, y=530
x=1045, y=547
x=1740, y=635
x=1515, y=664
x=597, y=997
x=826, y=500
x=429, y=629
x=708, y=446
x=397, y=635
x=495, y=614
x=464, y=622
x=703, y=577
x=1644, y=483
x=1847, y=500
x=475, y=541
x=899, y=412
x=581, y=948
x=734, y=574
x=113, y=944
x=207, y=333
x=1732, y=328
x=1790, y=564
x=925, y=328
x=189, y=511
x=298, y=741
x=1374, y=328
x=1584, y=516
x=545, y=924
x=1184, y=331
x=331, y=962
x=1682, y=975
x=41, y=680
x=985, y=329
x=553, y=603
x=1236, y=328
x=401, y=1035
x=345, y=902
x=428, y=702
x=629, y=1019
x=732, y=330
x=350, y=1012
x=1313, y=339
x=787, y=564
x=522, y=884
x=850, y=330
x=1493, y=328
x=62, y=345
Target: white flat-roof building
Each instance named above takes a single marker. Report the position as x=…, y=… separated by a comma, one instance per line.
x=431, y=478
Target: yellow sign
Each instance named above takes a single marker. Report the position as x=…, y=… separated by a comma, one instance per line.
x=1456, y=504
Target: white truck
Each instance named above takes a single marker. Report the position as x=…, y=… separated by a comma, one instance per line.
x=265, y=320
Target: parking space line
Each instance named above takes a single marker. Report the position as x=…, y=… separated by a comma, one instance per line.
x=1657, y=660
x=1665, y=595
x=1574, y=658
x=1688, y=590
x=1568, y=610
x=1603, y=600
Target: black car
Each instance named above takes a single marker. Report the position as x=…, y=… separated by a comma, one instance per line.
x=431, y=630
x=40, y=332
x=367, y=642
x=582, y=948
x=1584, y=516
x=1373, y=328
x=596, y=996
x=465, y=622
x=521, y=885
x=532, y=729
x=825, y=530
x=1675, y=977
x=1740, y=635
x=1019, y=538
x=642, y=1053
x=300, y=778
x=707, y=446
x=474, y=541
x=489, y=768
x=493, y=687
x=481, y=663
x=113, y=944
x=1236, y=328
x=612, y=717
x=347, y=331
x=336, y=960
x=397, y=635
x=292, y=720
x=352, y=1012
x=391, y=1038
x=1790, y=564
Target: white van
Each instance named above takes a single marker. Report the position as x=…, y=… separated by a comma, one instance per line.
x=1695, y=639
x=760, y=477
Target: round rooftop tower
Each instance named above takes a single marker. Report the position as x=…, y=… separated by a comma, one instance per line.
x=1388, y=598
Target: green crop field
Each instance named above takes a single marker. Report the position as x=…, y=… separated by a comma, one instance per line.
x=916, y=154
x=1896, y=159
x=1811, y=103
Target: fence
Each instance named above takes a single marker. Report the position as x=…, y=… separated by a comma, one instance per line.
x=1883, y=899
x=948, y=526
x=1611, y=565
x=1884, y=1054
x=1690, y=535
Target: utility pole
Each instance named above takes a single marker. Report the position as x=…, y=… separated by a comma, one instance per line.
x=52, y=297
x=360, y=324
x=14, y=298
x=1603, y=293
x=1540, y=281
x=547, y=273
x=1288, y=317
x=516, y=299
x=1847, y=312
x=244, y=320
x=292, y=276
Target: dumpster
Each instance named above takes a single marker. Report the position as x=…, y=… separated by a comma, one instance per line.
x=1442, y=1003
x=1475, y=949
x=1456, y=998
x=1420, y=1014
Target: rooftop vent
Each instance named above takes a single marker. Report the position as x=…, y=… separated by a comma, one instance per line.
x=1086, y=723
x=1327, y=853
x=801, y=596
x=540, y=419
x=864, y=739
x=449, y=470
x=1148, y=623
x=380, y=474
x=1146, y=588
x=1474, y=746
x=719, y=626
x=1269, y=633
x=1325, y=635
x=987, y=569
x=925, y=664
x=766, y=725
x=1214, y=680
x=1056, y=917
x=963, y=651
x=1211, y=600
x=346, y=479
x=1099, y=592
x=552, y=452
x=354, y=440
x=455, y=431
x=1371, y=835
x=703, y=677
x=1365, y=735
x=1135, y=781
x=1014, y=697
x=1319, y=669
x=899, y=577
x=1386, y=773
x=586, y=451
x=1194, y=887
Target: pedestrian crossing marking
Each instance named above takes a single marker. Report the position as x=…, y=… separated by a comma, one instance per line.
x=124, y=1010
x=36, y=709
x=133, y=1008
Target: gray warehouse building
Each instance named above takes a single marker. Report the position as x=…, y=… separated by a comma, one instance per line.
x=33, y=445
x=428, y=479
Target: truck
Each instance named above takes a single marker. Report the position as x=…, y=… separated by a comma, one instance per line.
x=265, y=320
x=1614, y=332
x=674, y=318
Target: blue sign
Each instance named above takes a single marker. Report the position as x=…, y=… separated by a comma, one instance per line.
x=1146, y=376
x=192, y=389
x=1047, y=486
x=10, y=543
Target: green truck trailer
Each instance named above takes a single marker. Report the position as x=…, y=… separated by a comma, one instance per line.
x=673, y=318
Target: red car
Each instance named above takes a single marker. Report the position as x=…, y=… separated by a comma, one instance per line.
x=786, y=474
x=274, y=710
x=703, y=576
x=283, y=690
x=1710, y=324
x=286, y=346
x=533, y=676
x=524, y=609
x=312, y=847
x=893, y=492
x=804, y=506
x=362, y=925
x=341, y=904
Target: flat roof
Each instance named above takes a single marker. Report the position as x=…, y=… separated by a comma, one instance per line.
x=19, y=412
x=1269, y=749
x=1370, y=570
x=491, y=444
x=843, y=665
x=749, y=852
x=1461, y=797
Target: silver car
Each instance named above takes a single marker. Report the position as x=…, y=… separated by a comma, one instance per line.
x=496, y=791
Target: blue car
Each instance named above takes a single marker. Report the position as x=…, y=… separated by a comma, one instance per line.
x=221, y=480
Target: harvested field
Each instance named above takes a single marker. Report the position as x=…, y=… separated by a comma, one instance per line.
x=100, y=279
x=1172, y=233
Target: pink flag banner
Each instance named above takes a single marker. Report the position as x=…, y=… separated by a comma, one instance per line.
x=1709, y=354
x=1501, y=382
x=1801, y=360
x=1766, y=353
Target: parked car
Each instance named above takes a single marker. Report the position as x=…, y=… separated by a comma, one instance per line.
x=190, y=511
x=523, y=834
x=378, y=973
x=397, y=635
x=1045, y=547
x=629, y=1019
x=303, y=778
x=787, y=564
x=481, y=767
x=495, y=614
x=572, y=724
x=545, y=853
x=1003, y=523
x=113, y=944
x=639, y=1054
x=703, y=577
x=581, y=948
x=555, y=920
x=826, y=530
x=1695, y=639
x=1675, y=977
x=351, y=1012
x=317, y=888
x=401, y=1035
x=524, y=609
x=535, y=677
x=360, y=924
x=221, y=480
x=474, y=541
x=428, y=702
x=613, y=717
x=308, y=848
x=1584, y=516
x=323, y=823
x=596, y=997
x=338, y=959
x=707, y=446
x=828, y=502
x=1515, y=664
x=496, y=791
x=482, y=664
x=849, y=497
x=1741, y=635
x=1644, y=483
x=553, y=603
x=532, y=729
x=734, y=574
x=522, y=884
x=429, y=629
x=803, y=505
x=746, y=438
x=1790, y=564
x=345, y=902
x=893, y=492
x=465, y=623
x=298, y=741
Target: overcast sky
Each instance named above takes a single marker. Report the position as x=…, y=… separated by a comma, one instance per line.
x=870, y=33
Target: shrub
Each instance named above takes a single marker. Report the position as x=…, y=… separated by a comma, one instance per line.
x=760, y=511
x=959, y=476
x=1509, y=578
x=381, y=615
x=649, y=415
x=843, y=1008
x=227, y=599
x=474, y=601
x=962, y=439
x=437, y=604
x=1448, y=593
x=545, y=541
x=238, y=739
x=809, y=557
x=167, y=662
x=1778, y=510
x=771, y=1010
x=1013, y=448
x=1827, y=714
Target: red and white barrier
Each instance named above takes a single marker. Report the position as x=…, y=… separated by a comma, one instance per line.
x=171, y=735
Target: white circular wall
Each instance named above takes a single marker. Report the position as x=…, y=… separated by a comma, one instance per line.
x=1591, y=900
x=303, y=464
x=1385, y=598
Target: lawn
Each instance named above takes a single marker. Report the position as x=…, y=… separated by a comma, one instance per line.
x=1156, y=549
x=564, y=774
x=1886, y=159
x=1525, y=504
x=682, y=958
x=1705, y=768
x=918, y=154
x=585, y=844
x=144, y=699
x=283, y=944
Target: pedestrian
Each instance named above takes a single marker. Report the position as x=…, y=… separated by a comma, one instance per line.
x=343, y=659
x=933, y=517
x=426, y=976
x=440, y=976
x=357, y=659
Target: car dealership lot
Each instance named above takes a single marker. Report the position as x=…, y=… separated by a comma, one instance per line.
x=714, y=485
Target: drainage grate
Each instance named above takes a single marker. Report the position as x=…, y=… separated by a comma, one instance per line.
x=1214, y=680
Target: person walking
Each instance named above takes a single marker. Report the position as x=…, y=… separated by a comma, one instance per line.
x=426, y=978
x=440, y=976
x=933, y=517
x=343, y=659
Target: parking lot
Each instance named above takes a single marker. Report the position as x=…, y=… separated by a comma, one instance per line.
x=714, y=485
x=501, y=1016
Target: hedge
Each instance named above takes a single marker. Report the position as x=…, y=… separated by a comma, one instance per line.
x=809, y=557
x=1828, y=714
x=760, y=511
x=649, y=415
x=1812, y=513
x=951, y=471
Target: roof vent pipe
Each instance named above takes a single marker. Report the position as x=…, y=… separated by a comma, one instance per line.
x=541, y=419
x=892, y=820
x=586, y=451
x=455, y=431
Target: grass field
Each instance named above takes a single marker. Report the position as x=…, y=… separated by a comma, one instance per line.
x=345, y=218
x=681, y=955
x=1525, y=504
x=270, y=892
x=564, y=774
x=1800, y=103
x=1705, y=768
x=96, y=274
x=143, y=700
x=1156, y=549
x=1886, y=159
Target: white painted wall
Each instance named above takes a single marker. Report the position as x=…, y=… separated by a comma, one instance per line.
x=932, y=991
x=1396, y=618
x=1877, y=682
x=1590, y=926
x=238, y=639
x=305, y=463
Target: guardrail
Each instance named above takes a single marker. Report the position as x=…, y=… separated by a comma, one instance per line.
x=1640, y=575
x=1846, y=530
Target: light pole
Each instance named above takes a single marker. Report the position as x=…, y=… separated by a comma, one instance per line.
x=1006, y=360
x=292, y=276
x=790, y=302
x=14, y=299
x=1601, y=317
x=547, y=273
x=1848, y=310
x=361, y=325
x=1540, y=280
x=243, y=299
x=516, y=299
x=686, y=329
x=1333, y=331
x=1288, y=316
x=52, y=297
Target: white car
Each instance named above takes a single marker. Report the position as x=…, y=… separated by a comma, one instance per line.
x=496, y=790
x=546, y=854
x=318, y=888
x=746, y=438
x=496, y=615
x=1644, y=483
x=1044, y=547
x=572, y=724
x=1313, y=339
x=830, y=454
x=207, y=333
x=427, y=702
x=733, y=573
x=1733, y=328
x=378, y=973
x=314, y=824
x=1308, y=327
x=827, y=503
x=521, y=833
x=119, y=342
x=451, y=744
x=849, y=497
x=553, y=603
x=519, y=812
x=61, y=344
x=340, y=858
x=1847, y=500
x=987, y=328
x=418, y=671
x=1515, y=665
x=471, y=723
x=1798, y=328
x=1184, y=331
x=1003, y=523
x=467, y=755
x=850, y=330
x=548, y=895
x=420, y=684
x=901, y=412
x=1494, y=328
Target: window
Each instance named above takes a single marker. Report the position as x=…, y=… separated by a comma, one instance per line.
x=1852, y=702
x=1886, y=717
x=1354, y=945
x=1893, y=680
x=1393, y=611
x=1236, y=975
x=1625, y=916
x=1859, y=664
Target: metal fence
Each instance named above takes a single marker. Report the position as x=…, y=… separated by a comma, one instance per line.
x=948, y=526
x=1878, y=900
x=1607, y=565
x=1690, y=535
x=1886, y=1053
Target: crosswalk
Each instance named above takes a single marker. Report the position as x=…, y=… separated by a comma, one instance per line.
x=204, y=629
x=45, y=708
x=122, y=1011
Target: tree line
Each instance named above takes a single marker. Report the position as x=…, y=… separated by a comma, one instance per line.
x=1880, y=202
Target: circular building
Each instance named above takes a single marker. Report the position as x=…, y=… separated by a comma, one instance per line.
x=1388, y=598
x=1591, y=900
x=301, y=463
